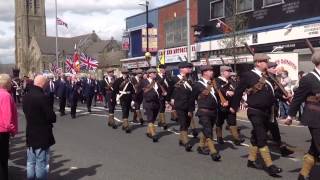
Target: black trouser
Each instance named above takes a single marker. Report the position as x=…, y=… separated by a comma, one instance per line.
x=162, y=105
x=89, y=102
x=151, y=114
x=259, y=121
x=226, y=115
x=73, y=105
x=125, y=102
x=314, y=149
x=184, y=119
x=95, y=97
x=4, y=155
x=207, y=122
x=273, y=127
x=51, y=99
x=62, y=104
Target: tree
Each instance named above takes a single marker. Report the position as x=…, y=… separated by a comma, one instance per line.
x=236, y=35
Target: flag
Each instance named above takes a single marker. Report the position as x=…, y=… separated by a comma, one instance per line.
x=76, y=62
x=162, y=59
x=88, y=62
x=54, y=68
x=225, y=28
x=62, y=23
x=69, y=65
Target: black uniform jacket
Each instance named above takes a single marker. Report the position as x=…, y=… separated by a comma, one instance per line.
x=181, y=94
x=261, y=100
x=309, y=86
x=120, y=85
x=208, y=102
x=151, y=98
x=40, y=116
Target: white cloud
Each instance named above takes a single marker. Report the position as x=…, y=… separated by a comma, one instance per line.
x=106, y=17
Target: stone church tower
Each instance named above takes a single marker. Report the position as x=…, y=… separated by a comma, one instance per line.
x=30, y=20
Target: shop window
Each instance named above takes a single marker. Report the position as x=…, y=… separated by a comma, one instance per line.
x=244, y=6
x=267, y=3
x=217, y=9
x=176, y=32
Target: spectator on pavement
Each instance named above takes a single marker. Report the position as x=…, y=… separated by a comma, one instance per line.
x=40, y=118
x=8, y=123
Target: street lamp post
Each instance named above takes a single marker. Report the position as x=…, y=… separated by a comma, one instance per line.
x=147, y=54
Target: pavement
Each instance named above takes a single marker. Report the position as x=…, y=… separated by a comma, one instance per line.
x=86, y=149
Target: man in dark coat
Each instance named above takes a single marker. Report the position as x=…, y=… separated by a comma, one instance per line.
x=309, y=92
x=73, y=91
x=50, y=90
x=62, y=94
x=261, y=98
x=40, y=118
x=89, y=90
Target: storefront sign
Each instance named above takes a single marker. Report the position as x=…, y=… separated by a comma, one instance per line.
x=178, y=54
x=287, y=61
x=125, y=43
x=153, y=40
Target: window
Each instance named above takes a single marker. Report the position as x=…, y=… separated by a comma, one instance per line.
x=176, y=32
x=267, y=3
x=216, y=9
x=244, y=6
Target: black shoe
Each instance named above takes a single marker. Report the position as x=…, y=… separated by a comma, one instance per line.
x=73, y=116
x=285, y=151
x=195, y=133
x=301, y=177
x=203, y=151
x=227, y=127
x=114, y=126
x=238, y=142
x=62, y=114
x=128, y=130
x=89, y=110
x=273, y=170
x=215, y=156
x=155, y=138
x=220, y=140
x=174, y=120
x=181, y=143
x=188, y=147
x=141, y=122
x=254, y=164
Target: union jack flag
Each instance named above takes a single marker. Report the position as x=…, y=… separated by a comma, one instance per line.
x=54, y=68
x=88, y=62
x=62, y=23
x=69, y=65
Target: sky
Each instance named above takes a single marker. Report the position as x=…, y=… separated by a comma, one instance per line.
x=106, y=17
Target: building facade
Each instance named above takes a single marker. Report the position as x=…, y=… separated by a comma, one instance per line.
x=266, y=25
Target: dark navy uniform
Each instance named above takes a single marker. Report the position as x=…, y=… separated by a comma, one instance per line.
x=208, y=104
x=110, y=96
x=73, y=91
x=309, y=92
x=183, y=105
x=137, y=96
x=261, y=97
x=162, y=80
x=124, y=88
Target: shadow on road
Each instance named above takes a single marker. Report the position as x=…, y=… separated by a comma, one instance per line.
x=18, y=159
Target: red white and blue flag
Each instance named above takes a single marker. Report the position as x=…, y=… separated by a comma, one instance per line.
x=54, y=68
x=62, y=23
x=88, y=62
x=69, y=65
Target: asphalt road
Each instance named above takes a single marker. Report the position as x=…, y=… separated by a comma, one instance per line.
x=87, y=149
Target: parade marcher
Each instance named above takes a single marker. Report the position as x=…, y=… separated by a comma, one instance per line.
x=50, y=90
x=97, y=90
x=227, y=90
x=73, y=91
x=309, y=92
x=39, y=136
x=208, y=104
x=16, y=89
x=110, y=95
x=181, y=99
x=124, y=88
x=89, y=90
x=62, y=94
x=162, y=79
x=273, y=126
x=8, y=123
x=260, y=100
x=137, y=96
x=152, y=93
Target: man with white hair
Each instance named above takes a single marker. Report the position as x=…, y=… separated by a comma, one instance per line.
x=308, y=92
x=40, y=118
x=8, y=123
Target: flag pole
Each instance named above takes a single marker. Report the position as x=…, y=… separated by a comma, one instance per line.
x=57, y=57
x=188, y=31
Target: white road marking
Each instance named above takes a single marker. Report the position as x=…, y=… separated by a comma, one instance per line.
x=298, y=126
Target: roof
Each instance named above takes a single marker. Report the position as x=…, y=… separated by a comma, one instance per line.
x=97, y=47
x=47, y=45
